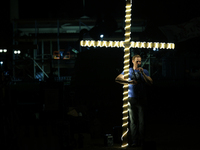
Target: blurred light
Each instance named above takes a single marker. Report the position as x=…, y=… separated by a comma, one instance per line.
x=1, y=62
x=101, y=36
x=155, y=49
x=156, y=45
x=149, y=45
x=3, y=50
x=143, y=45
x=74, y=50
x=17, y=52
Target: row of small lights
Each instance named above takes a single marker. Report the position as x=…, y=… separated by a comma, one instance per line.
x=17, y=52
x=2, y=51
x=132, y=44
x=5, y=51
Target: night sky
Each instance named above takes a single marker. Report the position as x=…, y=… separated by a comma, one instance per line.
x=162, y=12
x=156, y=12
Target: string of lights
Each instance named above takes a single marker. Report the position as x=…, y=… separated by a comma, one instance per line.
x=126, y=72
x=126, y=44
x=133, y=44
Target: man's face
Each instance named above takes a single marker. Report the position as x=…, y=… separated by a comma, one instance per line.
x=137, y=61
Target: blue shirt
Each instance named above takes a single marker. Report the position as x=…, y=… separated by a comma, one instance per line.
x=139, y=89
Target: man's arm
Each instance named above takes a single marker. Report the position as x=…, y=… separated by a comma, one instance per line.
x=147, y=79
x=120, y=79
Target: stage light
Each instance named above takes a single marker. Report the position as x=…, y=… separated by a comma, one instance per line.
x=1, y=62
x=155, y=49
x=3, y=50
x=101, y=36
x=17, y=52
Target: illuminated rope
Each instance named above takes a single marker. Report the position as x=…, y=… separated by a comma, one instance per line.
x=125, y=145
x=126, y=72
x=132, y=44
x=125, y=124
x=127, y=44
x=125, y=133
x=125, y=86
x=126, y=111
x=125, y=105
x=125, y=98
x=125, y=118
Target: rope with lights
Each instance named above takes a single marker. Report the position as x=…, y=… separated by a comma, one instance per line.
x=127, y=44
x=126, y=72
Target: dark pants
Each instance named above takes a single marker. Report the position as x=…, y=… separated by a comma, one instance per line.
x=137, y=118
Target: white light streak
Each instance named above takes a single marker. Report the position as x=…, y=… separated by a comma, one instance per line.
x=124, y=134
x=126, y=105
x=125, y=124
x=124, y=112
x=129, y=26
x=125, y=118
x=125, y=145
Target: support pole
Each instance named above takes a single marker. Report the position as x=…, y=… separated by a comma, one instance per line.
x=35, y=51
x=43, y=59
x=51, y=54
x=14, y=30
x=149, y=63
x=58, y=43
x=80, y=49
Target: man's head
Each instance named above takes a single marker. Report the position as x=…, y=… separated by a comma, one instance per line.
x=136, y=60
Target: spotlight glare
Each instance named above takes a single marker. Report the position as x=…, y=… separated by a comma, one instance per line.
x=101, y=36
x=1, y=50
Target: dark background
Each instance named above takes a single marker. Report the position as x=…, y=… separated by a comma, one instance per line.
x=172, y=101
